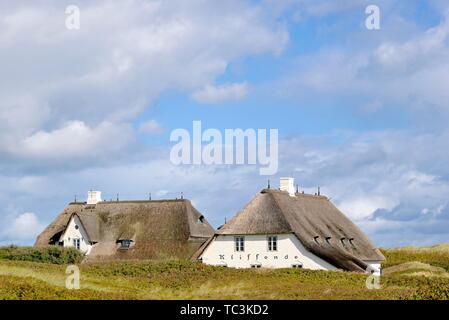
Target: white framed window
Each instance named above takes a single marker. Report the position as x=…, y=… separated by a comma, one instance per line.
x=76, y=243
x=272, y=243
x=239, y=243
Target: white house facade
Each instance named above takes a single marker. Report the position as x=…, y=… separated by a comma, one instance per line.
x=266, y=251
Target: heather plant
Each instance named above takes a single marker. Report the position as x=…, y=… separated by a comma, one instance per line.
x=50, y=254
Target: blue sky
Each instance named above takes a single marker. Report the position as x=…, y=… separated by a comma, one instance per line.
x=361, y=113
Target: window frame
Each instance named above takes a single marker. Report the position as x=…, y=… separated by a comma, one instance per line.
x=239, y=244
x=270, y=243
x=76, y=243
x=123, y=247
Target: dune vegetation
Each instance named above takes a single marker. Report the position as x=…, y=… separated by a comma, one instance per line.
x=409, y=273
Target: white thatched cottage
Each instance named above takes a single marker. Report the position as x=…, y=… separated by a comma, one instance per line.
x=283, y=229
x=109, y=230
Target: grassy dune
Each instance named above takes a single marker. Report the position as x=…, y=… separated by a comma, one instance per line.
x=409, y=273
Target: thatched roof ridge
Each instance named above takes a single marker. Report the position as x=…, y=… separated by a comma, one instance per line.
x=317, y=223
x=158, y=227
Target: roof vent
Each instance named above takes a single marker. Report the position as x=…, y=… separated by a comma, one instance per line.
x=93, y=197
x=287, y=184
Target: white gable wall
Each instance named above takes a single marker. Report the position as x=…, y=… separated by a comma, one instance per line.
x=72, y=233
x=374, y=267
x=289, y=251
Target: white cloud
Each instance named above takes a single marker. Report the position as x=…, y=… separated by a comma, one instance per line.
x=218, y=94
x=364, y=207
x=124, y=56
x=73, y=141
x=406, y=72
x=25, y=226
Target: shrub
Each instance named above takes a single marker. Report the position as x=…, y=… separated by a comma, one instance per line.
x=50, y=254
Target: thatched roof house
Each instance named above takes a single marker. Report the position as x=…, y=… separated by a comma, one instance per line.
x=129, y=229
x=316, y=229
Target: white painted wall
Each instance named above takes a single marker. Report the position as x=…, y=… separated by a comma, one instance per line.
x=93, y=197
x=287, y=184
x=290, y=251
x=374, y=266
x=72, y=233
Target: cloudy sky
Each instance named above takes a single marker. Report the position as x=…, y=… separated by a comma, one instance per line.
x=361, y=113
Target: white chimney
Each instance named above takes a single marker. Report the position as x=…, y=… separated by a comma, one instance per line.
x=287, y=184
x=93, y=197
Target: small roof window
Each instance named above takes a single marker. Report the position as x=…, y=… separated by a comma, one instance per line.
x=351, y=241
x=200, y=219
x=125, y=244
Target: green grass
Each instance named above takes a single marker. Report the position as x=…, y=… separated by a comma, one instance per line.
x=405, y=277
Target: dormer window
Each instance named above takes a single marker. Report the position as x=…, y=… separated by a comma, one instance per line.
x=317, y=239
x=328, y=240
x=200, y=220
x=351, y=241
x=125, y=244
x=343, y=241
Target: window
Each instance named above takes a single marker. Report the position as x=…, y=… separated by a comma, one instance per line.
x=343, y=241
x=256, y=266
x=328, y=240
x=272, y=243
x=239, y=243
x=351, y=241
x=297, y=265
x=76, y=243
x=200, y=220
x=76, y=227
x=125, y=244
x=317, y=239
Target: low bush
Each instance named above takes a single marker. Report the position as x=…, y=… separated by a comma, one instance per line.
x=50, y=254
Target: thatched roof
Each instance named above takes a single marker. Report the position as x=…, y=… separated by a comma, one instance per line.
x=316, y=222
x=158, y=228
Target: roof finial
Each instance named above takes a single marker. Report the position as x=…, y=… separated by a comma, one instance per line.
x=268, y=184
x=182, y=195
x=149, y=196
x=117, y=197
x=318, y=190
x=75, y=198
x=225, y=220
x=297, y=189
